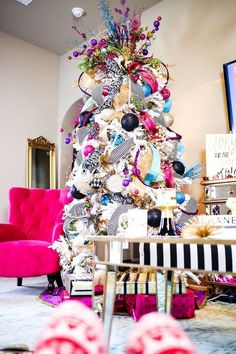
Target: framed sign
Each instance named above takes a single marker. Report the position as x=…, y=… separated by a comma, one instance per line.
x=221, y=156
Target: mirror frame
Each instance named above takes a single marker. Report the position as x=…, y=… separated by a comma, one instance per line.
x=43, y=144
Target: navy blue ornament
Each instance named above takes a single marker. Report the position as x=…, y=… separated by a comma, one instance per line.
x=76, y=193
x=154, y=217
x=180, y=197
x=129, y=122
x=179, y=167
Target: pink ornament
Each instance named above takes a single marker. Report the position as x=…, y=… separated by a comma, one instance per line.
x=69, y=197
x=88, y=149
x=61, y=130
x=165, y=93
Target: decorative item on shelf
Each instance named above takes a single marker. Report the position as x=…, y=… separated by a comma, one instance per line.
x=231, y=204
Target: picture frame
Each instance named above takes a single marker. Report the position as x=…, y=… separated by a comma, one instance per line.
x=229, y=70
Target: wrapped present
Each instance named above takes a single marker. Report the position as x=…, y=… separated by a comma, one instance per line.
x=77, y=287
x=183, y=305
x=136, y=283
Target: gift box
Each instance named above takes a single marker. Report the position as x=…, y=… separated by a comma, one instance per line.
x=77, y=287
x=136, y=283
x=183, y=305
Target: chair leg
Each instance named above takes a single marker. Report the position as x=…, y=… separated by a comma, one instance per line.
x=58, y=279
x=51, y=280
x=19, y=281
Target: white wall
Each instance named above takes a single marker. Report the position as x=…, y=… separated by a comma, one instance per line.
x=29, y=107
x=195, y=38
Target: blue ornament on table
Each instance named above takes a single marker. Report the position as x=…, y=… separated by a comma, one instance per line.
x=146, y=89
x=168, y=104
x=129, y=122
x=106, y=199
x=117, y=138
x=180, y=197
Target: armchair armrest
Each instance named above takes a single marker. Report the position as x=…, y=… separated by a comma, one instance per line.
x=10, y=232
x=57, y=231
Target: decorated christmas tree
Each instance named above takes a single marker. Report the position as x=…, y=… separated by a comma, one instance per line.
x=126, y=154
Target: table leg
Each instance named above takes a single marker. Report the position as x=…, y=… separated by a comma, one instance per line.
x=109, y=299
x=169, y=277
x=160, y=292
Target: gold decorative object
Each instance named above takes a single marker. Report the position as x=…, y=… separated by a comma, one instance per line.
x=41, y=163
x=200, y=226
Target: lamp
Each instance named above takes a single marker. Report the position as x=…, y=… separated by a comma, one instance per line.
x=77, y=12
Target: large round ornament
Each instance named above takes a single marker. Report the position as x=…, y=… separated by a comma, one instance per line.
x=154, y=217
x=129, y=122
x=76, y=193
x=179, y=167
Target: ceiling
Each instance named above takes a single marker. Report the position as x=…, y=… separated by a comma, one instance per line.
x=48, y=23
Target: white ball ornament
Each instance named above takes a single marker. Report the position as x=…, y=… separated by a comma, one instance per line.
x=169, y=119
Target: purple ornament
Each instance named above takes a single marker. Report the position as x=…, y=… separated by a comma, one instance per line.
x=145, y=52
x=156, y=24
x=125, y=182
x=136, y=171
x=76, y=53
x=67, y=140
x=84, y=46
x=93, y=42
x=126, y=171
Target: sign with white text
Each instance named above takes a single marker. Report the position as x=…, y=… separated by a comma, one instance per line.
x=221, y=156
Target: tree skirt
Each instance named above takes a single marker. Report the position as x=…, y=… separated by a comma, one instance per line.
x=52, y=299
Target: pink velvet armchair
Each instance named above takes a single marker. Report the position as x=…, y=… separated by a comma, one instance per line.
x=35, y=222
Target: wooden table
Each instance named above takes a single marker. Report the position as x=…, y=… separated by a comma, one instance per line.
x=209, y=255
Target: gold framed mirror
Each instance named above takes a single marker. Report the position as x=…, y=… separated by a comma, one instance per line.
x=41, y=163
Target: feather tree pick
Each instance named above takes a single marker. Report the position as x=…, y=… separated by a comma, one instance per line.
x=200, y=226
